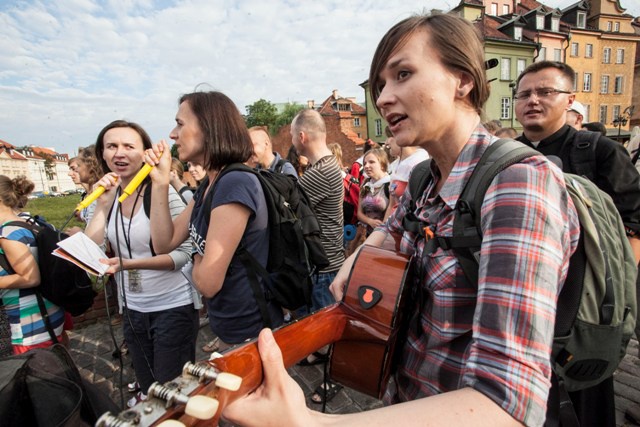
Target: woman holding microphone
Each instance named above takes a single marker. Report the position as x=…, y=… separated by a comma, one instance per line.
x=160, y=321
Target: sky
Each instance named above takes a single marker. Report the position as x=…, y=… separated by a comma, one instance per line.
x=69, y=67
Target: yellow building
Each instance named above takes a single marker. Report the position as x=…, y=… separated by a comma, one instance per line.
x=602, y=51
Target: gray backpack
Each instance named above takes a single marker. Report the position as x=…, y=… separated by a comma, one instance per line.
x=596, y=309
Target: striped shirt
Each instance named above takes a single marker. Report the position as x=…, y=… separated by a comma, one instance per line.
x=496, y=337
x=27, y=326
x=322, y=182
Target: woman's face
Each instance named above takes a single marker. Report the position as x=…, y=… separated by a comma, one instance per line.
x=197, y=171
x=372, y=167
x=394, y=149
x=73, y=172
x=123, y=151
x=418, y=93
x=187, y=135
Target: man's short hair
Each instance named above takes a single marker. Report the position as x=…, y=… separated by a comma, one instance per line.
x=565, y=69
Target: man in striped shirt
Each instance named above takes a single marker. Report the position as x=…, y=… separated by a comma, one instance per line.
x=322, y=182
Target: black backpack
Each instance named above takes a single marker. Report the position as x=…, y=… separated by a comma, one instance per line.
x=61, y=282
x=595, y=315
x=43, y=387
x=295, y=249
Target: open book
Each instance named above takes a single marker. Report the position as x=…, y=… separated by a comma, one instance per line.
x=83, y=252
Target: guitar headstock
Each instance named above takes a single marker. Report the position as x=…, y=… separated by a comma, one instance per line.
x=192, y=397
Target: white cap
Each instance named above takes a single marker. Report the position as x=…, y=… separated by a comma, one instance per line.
x=578, y=108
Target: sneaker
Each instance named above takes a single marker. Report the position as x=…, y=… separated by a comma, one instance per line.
x=139, y=397
x=133, y=387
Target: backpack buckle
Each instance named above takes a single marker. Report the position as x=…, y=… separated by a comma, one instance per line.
x=463, y=207
x=428, y=233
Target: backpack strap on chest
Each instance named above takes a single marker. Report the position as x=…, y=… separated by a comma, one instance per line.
x=582, y=156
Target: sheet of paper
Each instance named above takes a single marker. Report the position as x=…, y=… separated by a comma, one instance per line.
x=83, y=252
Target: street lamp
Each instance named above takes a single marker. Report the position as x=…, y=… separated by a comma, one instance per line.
x=512, y=86
x=623, y=118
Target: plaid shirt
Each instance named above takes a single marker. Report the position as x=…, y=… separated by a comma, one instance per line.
x=496, y=337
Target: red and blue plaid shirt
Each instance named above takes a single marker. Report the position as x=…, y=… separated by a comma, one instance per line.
x=494, y=337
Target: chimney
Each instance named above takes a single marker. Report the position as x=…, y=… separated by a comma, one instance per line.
x=311, y=104
x=335, y=93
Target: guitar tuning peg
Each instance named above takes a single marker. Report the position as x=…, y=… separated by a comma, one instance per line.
x=205, y=372
x=215, y=355
x=171, y=423
x=201, y=407
x=228, y=381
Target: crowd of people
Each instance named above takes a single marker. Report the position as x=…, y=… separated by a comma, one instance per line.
x=480, y=352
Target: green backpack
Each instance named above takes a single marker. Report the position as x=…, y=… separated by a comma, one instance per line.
x=596, y=310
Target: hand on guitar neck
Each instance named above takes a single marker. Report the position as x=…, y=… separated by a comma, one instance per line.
x=279, y=397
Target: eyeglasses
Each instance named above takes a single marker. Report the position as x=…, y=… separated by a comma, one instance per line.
x=545, y=92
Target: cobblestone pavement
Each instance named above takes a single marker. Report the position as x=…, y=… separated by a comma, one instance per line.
x=92, y=348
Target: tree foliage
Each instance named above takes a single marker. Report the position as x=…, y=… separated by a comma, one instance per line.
x=265, y=113
x=261, y=113
x=287, y=115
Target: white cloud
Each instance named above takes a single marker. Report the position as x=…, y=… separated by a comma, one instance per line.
x=69, y=67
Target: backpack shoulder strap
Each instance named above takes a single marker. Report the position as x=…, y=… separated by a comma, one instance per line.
x=467, y=231
x=146, y=200
x=583, y=153
x=420, y=177
x=280, y=165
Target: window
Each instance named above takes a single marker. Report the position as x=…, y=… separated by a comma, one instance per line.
x=557, y=55
x=616, y=27
x=620, y=56
x=539, y=22
x=494, y=9
x=521, y=64
x=618, y=86
x=356, y=121
x=575, y=82
x=587, y=110
x=574, y=49
x=505, y=9
x=606, y=55
x=517, y=33
x=603, y=114
x=581, y=19
x=505, y=69
x=555, y=24
x=604, y=84
x=615, y=112
x=378, y=127
x=586, y=82
x=608, y=25
x=505, y=108
x=344, y=107
x=588, y=52
x=542, y=54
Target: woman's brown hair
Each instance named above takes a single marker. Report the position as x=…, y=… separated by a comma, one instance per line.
x=454, y=38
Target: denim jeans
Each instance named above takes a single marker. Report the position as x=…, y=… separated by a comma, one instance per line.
x=321, y=296
x=160, y=342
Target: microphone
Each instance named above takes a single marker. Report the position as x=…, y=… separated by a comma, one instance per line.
x=84, y=204
x=135, y=182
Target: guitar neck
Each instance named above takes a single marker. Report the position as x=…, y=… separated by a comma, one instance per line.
x=296, y=340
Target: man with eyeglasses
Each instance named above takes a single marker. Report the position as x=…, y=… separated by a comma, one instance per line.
x=543, y=96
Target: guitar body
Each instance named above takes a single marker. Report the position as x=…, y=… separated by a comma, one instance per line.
x=375, y=303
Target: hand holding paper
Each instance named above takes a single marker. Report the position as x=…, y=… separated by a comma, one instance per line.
x=83, y=252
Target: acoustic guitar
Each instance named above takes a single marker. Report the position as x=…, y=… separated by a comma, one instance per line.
x=364, y=329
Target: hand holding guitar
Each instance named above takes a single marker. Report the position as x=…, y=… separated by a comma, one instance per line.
x=278, y=401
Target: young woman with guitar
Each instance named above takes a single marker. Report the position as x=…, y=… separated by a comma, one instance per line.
x=474, y=354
